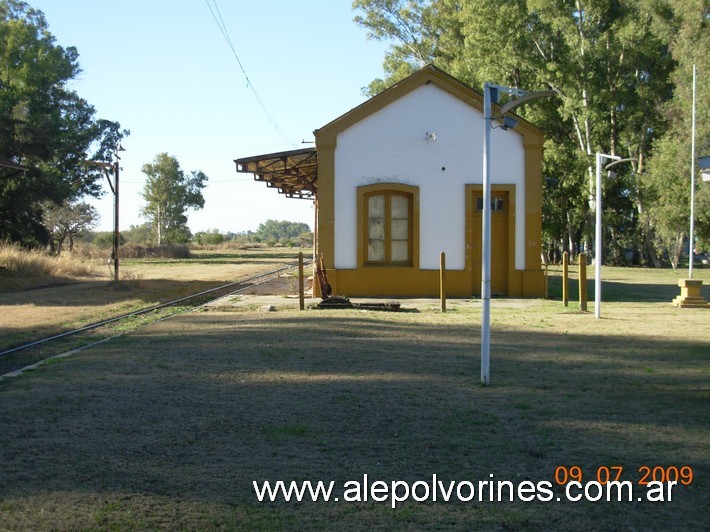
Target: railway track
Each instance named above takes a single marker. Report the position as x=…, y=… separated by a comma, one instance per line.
x=199, y=299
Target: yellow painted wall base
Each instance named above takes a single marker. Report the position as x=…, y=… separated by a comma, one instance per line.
x=533, y=283
x=410, y=282
x=690, y=296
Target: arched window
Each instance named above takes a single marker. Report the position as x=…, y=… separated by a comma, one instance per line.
x=388, y=225
x=389, y=228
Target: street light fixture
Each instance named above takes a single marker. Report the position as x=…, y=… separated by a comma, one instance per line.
x=112, y=168
x=490, y=96
x=598, y=227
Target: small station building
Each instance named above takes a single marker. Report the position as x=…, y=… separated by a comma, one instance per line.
x=398, y=179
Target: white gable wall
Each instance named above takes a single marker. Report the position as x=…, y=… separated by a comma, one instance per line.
x=390, y=146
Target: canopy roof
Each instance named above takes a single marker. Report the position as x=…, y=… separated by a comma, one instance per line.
x=294, y=173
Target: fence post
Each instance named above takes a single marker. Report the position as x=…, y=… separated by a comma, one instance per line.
x=301, y=299
x=442, y=281
x=583, y=282
x=565, y=279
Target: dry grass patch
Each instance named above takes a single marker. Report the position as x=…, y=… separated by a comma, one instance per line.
x=31, y=314
x=169, y=426
x=21, y=269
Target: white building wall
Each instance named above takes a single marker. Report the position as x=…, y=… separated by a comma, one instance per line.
x=392, y=146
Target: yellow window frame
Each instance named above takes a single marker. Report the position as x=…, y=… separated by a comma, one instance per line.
x=411, y=193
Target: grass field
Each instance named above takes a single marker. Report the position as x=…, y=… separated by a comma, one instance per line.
x=168, y=426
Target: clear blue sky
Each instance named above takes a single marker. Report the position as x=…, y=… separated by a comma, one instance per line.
x=165, y=72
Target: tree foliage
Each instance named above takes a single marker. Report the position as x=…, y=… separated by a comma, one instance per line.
x=271, y=233
x=668, y=178
x=44, y=125
x=209, y=238
x=281, y=230
x=67, y=221
x=169, y=193
x=614, y=65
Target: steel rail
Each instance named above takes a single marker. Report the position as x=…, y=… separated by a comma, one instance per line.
x=146, y=310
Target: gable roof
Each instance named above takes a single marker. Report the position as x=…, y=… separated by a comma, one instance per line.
x=295, y=173
x=327, y=135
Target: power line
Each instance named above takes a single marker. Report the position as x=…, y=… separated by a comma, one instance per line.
x=223, y=30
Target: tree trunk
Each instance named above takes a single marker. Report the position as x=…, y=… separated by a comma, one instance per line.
x=160, y=228
x=650, y=249
x=571, y=248
x=677, y=252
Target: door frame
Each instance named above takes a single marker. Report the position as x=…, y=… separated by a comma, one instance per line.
x=473, y=240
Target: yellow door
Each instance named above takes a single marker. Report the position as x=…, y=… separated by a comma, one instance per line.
x=499, y=242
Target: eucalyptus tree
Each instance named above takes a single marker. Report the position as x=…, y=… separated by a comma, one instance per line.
x=667, y=182
x=613, y=77
x=169, y=193
x=608, y=68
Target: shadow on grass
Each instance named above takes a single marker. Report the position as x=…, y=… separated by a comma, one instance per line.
x=197, y=408
x=618, y=292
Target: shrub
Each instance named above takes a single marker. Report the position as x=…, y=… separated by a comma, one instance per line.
x=169, y=251
x=173, y=251
x=17, y=262
x=91, y=252
x=209, y=238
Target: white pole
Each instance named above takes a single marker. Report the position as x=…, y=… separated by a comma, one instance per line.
x=692, y=187
x=486, y=239
x=598, y=242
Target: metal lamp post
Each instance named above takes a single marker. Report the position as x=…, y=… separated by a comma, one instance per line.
x=113, y=168
x=116, y=172
x=690, y=289
x=490, y=96
x=691, y=242
x=598, y=227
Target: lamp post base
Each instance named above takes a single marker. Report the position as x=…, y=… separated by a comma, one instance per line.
x=690, y=296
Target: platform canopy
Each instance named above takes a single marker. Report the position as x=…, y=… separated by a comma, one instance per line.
x=294, y=173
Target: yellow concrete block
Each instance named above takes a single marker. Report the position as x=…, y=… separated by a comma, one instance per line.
x=690, y=296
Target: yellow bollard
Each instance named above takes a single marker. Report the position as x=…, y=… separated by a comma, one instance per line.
x=583, y=282
x=442, y=281
x=301, y=298
x=565, y=279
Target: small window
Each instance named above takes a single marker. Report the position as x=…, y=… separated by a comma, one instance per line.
x=497, y=204
x=389, y=228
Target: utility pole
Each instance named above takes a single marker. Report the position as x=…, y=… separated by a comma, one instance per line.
x=491, y=91
x=115, y=169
